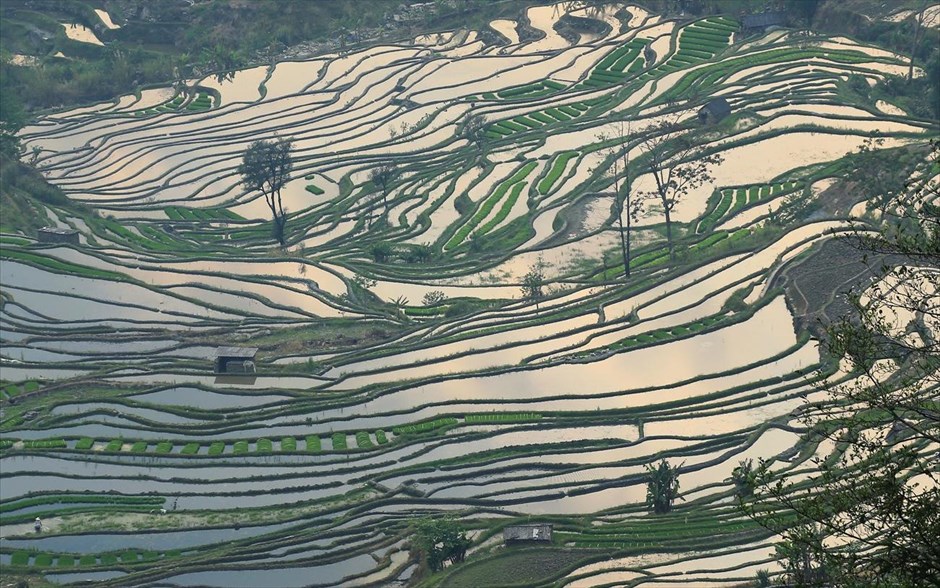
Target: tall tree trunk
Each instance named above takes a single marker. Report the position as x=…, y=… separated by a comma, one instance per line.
x=918, y=27
x=672, y=253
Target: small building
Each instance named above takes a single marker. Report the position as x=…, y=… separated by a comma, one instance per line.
x=754, y=23
x=235, y=360
x=714, y=111
x=55, y=235
x=535, y=533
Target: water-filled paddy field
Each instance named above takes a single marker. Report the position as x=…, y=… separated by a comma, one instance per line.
x=401, y=369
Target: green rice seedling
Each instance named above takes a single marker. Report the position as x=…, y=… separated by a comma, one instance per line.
x=114, y=445
x=65, y=561
x=363, y=441
x=216, y=448
x=164, y=447
x=314, y=189
x=190, y=449
x=139, y=447
x=109, y=559
x=381, y=437
x=288, y=444
x=88, y=561
x=339, y=442
x=129, y=557
x=20, y=558
x=240, y=447
x=264, y=446
x=43, y=560
x=314, y=445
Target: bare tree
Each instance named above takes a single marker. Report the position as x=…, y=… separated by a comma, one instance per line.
x=623, y=202
x=265, y=168
x=677, y=165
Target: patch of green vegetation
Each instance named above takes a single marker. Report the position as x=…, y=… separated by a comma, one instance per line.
x=339, y=442
x=363, y=441
x=425, y=426
x=314, y=445
x=289, y=444
x=216, y=448
x=264, y=446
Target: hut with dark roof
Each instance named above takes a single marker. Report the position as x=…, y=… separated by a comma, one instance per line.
x=714, y=111
x=535, y=533
x=235, y=360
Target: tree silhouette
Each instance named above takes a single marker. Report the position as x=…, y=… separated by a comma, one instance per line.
x=265, y=168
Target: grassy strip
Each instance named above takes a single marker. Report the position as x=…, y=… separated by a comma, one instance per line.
x=558, y=167
x=488, y=205
x=425, y=426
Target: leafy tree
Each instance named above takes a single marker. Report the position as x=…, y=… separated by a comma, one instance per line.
x=382, y=178
x=381, y=252
x=474, y=131
x=677, y=165
x=434, y=297
x=533, y=283
x=441, y=540
x=662, y=487
x=744, y=478
x=265, y=168
x=872, y=516
x=12, y=119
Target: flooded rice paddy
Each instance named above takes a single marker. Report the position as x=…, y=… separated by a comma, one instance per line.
x=401, y=367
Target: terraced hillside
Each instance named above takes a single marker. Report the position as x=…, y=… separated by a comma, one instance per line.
x=401, y=370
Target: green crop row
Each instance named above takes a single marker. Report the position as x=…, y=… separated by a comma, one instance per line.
x=425, y=426
x=48, y=560
x=182, y=213
x=504, y=210
x=59, y=266
x=22, y=388
x=489, y=204
x=558, y=167
x=517, y=417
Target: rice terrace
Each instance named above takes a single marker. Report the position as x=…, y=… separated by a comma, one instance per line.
x=549, y=294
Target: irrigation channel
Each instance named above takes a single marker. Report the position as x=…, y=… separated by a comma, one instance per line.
x=370, y=406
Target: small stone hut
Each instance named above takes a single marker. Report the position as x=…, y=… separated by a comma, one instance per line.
x=55, y=235
x=714, y=111
x=535, y=533
x=235, y=360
